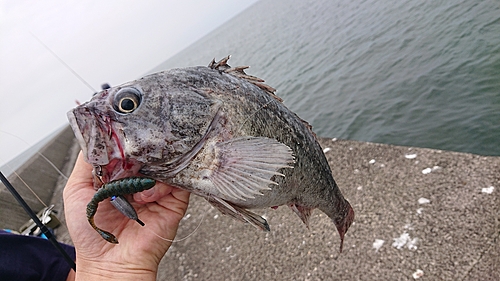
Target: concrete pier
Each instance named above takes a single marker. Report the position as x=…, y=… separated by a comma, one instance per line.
x=421, y=214
x=39, y=174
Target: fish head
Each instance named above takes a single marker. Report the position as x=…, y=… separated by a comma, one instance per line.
x=146, y=123
x=99, y=129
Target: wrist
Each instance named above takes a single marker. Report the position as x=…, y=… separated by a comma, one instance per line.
x=91, y=270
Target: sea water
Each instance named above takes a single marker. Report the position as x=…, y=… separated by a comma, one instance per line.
x=415, y=73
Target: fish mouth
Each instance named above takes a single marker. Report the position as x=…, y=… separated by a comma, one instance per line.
x=101, y=145
x=88, y=134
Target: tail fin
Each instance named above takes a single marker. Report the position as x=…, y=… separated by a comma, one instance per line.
x=345, y=222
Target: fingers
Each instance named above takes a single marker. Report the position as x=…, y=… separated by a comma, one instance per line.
x=82, y=177
x=154, y=194
x=181, y=195
x=82, y=172
x=79, y=181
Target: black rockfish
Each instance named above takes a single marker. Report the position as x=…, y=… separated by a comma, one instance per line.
x=216, y=132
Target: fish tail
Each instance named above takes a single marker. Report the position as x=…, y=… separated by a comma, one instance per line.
x=343, y=221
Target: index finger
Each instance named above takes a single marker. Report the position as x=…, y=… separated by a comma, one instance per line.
x=81, y=174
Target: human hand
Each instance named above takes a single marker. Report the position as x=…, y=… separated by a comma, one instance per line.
x=140, y=250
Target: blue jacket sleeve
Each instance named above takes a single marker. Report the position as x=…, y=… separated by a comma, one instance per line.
x=32, y=258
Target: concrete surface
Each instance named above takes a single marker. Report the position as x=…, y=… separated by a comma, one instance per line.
x=39, y=175
x=452, y=237
x=437, y=212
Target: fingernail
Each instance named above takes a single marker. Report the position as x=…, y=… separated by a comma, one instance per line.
x=148, y=193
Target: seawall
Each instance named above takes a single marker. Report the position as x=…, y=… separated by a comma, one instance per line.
x=420, y=214
x=39, y=175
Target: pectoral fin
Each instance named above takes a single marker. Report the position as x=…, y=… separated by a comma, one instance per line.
x=243, y=167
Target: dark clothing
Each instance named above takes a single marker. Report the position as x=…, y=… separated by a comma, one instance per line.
x=32, y=258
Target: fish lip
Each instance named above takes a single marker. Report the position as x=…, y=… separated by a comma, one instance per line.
x=82, y=119
x=78, y=133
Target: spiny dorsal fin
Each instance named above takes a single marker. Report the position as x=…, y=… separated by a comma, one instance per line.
x=220, y=65
x=239, y=72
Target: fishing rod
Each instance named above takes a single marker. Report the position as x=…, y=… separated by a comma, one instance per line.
x=34, y=217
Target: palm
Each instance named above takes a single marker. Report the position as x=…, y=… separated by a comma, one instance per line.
x=138, y=245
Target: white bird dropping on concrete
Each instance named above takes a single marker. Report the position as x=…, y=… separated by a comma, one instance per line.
x=488, y=190
x=423, y=200
x=403, y=240
x=426, y=171
x=378, y=244
x=417, y=274
x=412, y=244
x=410, y=156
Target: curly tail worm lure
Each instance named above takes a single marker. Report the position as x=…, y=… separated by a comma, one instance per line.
x=116, y=188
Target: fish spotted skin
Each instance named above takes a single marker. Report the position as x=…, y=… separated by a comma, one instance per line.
x=216, y=132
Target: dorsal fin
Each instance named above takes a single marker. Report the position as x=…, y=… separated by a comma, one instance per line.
x=239, y=72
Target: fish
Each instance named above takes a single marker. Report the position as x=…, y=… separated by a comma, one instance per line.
x=216, y=132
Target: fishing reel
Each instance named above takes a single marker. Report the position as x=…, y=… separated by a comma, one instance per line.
x=47, y=216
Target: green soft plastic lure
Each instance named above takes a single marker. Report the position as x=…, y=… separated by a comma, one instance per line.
x=111, y=189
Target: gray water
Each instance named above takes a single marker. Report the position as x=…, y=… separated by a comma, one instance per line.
x=416, y=73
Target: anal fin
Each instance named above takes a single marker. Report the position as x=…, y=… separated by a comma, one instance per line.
x=303, y=212
x=239, y=213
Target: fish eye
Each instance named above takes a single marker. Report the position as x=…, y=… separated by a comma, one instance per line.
x=127, y=100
